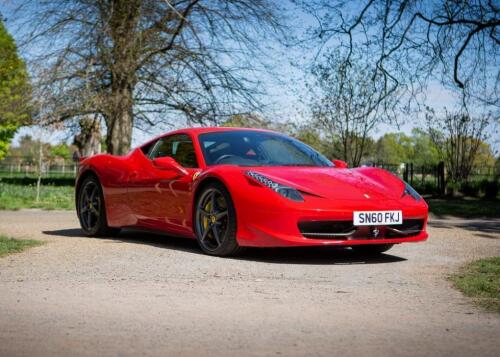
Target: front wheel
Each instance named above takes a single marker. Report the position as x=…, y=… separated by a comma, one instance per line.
x=372, y=249
x=215, y=221
x=91, y=210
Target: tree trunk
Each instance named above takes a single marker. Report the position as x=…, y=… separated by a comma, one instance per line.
x=39, y=173
x=120, y=122
x=88, y=140
x=123, y=25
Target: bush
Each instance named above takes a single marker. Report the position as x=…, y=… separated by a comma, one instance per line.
x=490, y=189
x=427, y=188
x=27, y=180
x=452, y=189
x=471, y=188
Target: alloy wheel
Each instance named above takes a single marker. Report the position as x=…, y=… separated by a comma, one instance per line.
x=90, y=206
x=212, y=219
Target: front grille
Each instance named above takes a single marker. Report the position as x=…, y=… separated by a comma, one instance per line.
x=409, y=228
x=327, y=229
x=345, y=230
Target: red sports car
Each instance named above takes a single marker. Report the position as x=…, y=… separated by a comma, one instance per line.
x=232, y=188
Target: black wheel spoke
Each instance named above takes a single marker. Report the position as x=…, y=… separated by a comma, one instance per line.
x=92, y=194
x=89, y=219
x=203, y=212
x=205, y=233
x=212, y=202
x=220, y=215
x=216, y=235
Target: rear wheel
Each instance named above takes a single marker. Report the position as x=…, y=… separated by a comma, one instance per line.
x=215, y=221
x=372, y=249
x=91, y=210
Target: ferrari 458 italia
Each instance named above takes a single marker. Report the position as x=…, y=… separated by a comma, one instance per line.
x=231, y=188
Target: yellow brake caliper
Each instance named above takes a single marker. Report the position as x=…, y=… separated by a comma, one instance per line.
x=206, y=219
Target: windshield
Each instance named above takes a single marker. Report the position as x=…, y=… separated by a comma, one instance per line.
x=255, y=148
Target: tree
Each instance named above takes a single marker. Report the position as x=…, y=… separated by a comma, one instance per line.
x=62, y=151
x=250, y=120
x=346, y=104
x=142, y=62
x=398, y=148
x=458, y=137
x=14, y=90
x=484, y=157
x=391, y=148
x=311, y=136
x=425, y=152
x=456, y=42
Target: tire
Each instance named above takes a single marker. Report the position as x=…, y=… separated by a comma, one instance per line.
x=91, y=209
x=215, y=221
x=372, y=249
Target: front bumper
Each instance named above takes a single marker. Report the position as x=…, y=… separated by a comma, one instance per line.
x=280, y=227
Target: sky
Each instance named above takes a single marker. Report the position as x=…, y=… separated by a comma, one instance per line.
x=286, y=89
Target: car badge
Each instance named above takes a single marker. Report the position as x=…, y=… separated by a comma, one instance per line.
x=375, y=232
x=196, y=174
x=367, y=195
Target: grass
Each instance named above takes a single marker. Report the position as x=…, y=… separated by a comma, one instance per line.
x=467, y=208
x=10, y=245
x=24, y=196
x=480, y=280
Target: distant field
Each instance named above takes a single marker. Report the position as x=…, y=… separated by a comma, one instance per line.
x=23, y=196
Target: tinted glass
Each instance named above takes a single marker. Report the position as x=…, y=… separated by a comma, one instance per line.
x=180, y=147
x=254, y=148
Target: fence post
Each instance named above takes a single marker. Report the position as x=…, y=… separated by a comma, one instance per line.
x=440, y=178
x=405, y=172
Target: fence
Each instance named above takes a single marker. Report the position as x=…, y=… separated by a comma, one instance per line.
x=13, y=167
x=433, y=177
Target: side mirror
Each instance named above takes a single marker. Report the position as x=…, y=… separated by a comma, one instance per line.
x=168, y=163
x=340, y=164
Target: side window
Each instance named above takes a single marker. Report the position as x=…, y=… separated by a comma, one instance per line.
x=146, y=149
x=180, y=147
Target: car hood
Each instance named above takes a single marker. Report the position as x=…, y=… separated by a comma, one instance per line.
x=336, y=183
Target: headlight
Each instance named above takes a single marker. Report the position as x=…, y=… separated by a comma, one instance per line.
x=285, y=191
x=411, y=191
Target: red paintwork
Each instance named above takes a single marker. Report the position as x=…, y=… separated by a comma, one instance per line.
x=137, y=194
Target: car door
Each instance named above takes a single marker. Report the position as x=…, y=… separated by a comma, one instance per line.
x=161, y=198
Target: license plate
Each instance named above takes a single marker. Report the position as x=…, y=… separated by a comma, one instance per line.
x=373, y=218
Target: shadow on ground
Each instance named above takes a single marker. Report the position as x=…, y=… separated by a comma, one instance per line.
x=309, y=255
x=484, y=228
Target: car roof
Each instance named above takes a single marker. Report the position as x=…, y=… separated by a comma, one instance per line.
x=202, y=130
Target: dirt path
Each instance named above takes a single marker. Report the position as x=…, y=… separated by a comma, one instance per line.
x=144, y=294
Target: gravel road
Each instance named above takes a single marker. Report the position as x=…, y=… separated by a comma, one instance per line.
x=146, y=294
